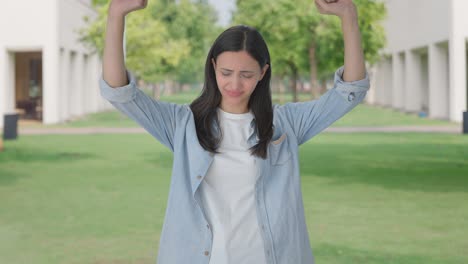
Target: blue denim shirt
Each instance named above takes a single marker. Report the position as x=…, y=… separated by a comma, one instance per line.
x=186, y=235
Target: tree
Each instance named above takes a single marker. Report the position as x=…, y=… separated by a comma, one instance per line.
x=282, y=35
x=307, y=41
x=167, y=40
x=150, y=51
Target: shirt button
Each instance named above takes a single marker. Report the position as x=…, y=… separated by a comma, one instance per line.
x=199, y=177
x=206, y=253
x=351, y=96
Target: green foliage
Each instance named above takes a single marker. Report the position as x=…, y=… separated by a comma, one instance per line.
x=292, y=27
x=167, y=40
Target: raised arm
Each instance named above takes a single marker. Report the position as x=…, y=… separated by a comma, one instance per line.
x=351, y=82
x=354, y=66
x=113, y=65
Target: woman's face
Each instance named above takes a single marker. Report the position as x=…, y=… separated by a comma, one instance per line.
x=237, y=75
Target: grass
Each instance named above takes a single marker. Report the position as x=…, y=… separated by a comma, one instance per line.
x=369, y=198
x=362, y=115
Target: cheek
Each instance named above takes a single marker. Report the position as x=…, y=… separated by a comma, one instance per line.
x=252, y=85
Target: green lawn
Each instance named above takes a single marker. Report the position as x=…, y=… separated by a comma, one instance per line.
x=362, y=115
x=369, y=198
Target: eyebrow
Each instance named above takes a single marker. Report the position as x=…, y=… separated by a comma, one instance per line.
x=240, y=71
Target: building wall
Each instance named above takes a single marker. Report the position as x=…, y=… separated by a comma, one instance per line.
x=426, y=41
x=70, y=71
x=413, y=24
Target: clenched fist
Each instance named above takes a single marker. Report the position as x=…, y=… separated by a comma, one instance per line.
x=340, y=8
x=123, y=7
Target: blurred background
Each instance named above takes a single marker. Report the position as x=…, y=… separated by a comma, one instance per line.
x=81, y=183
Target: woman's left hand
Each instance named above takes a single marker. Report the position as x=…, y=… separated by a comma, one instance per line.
x=340, y=8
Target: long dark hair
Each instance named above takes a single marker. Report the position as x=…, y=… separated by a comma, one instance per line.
x=204, y=108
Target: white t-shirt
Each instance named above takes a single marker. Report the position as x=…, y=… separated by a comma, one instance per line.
x=228, y=196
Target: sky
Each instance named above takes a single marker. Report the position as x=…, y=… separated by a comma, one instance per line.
x=224, y=8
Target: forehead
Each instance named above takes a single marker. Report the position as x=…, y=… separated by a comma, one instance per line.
x=237, y=60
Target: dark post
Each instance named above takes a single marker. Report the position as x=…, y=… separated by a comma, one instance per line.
x=10, y=126
x=465, y=122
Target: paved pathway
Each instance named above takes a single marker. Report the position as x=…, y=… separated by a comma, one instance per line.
x=138, y=130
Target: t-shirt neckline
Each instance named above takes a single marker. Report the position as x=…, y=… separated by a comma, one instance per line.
x=224, y=114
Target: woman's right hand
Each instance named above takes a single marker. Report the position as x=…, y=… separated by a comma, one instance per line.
x=123, y=7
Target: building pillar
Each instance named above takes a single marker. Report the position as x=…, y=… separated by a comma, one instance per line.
x=51, y=84
x=438, y=81
x=370, y=97
x=72, y=85
x=380, y=83
x=388, y=82
x=413, y=86
x=95, y=72
x=398, y=100
x=64, y=84
x=457, y=60
x=79, y=95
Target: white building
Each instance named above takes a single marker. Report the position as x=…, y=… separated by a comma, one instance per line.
x=425, y=66
x=46, y=74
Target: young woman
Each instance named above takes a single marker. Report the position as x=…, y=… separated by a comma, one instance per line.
x=235, y=194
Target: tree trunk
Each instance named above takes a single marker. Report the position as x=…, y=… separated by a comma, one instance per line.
x=314, y=88
x=168, y=87
x=156, y=91
x=293, y=82
x=281, y=90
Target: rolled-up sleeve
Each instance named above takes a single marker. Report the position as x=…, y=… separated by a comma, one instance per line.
x=307, y=119
x=157, y=117
x=119, y=94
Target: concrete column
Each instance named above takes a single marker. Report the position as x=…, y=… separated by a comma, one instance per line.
x=7, y=83
x=413, y=84
x=398, y=88
x=64, y=84
x=50, y=60
x=388, y=82
x=380, y=83
x=424, y=81
x=51, y=84
x=457, y=60
x=370, y=97
x=85, y=85
x=438, y=81
x=79, y=95
x=72, y=85
x=94, y=73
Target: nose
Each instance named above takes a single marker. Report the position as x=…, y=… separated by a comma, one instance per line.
x=237, y=83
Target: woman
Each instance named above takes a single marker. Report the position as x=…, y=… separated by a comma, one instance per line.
x=235, y=194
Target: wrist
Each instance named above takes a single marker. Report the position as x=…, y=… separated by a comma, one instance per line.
x=349, y=15
x=114, y=14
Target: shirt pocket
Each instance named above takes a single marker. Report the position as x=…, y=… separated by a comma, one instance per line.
x=279, y=150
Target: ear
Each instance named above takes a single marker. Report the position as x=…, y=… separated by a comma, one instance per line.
x=264, y=70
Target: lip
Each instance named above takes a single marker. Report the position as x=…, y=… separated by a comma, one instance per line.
x=234, y=93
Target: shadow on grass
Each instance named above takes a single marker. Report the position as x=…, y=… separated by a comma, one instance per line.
x=33, y=155
x=421, y=167
x=326, y=253
x=15, y=157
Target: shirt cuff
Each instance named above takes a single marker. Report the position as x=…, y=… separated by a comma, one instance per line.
x=354, y=86
x=351, y=90
x=120, y=94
